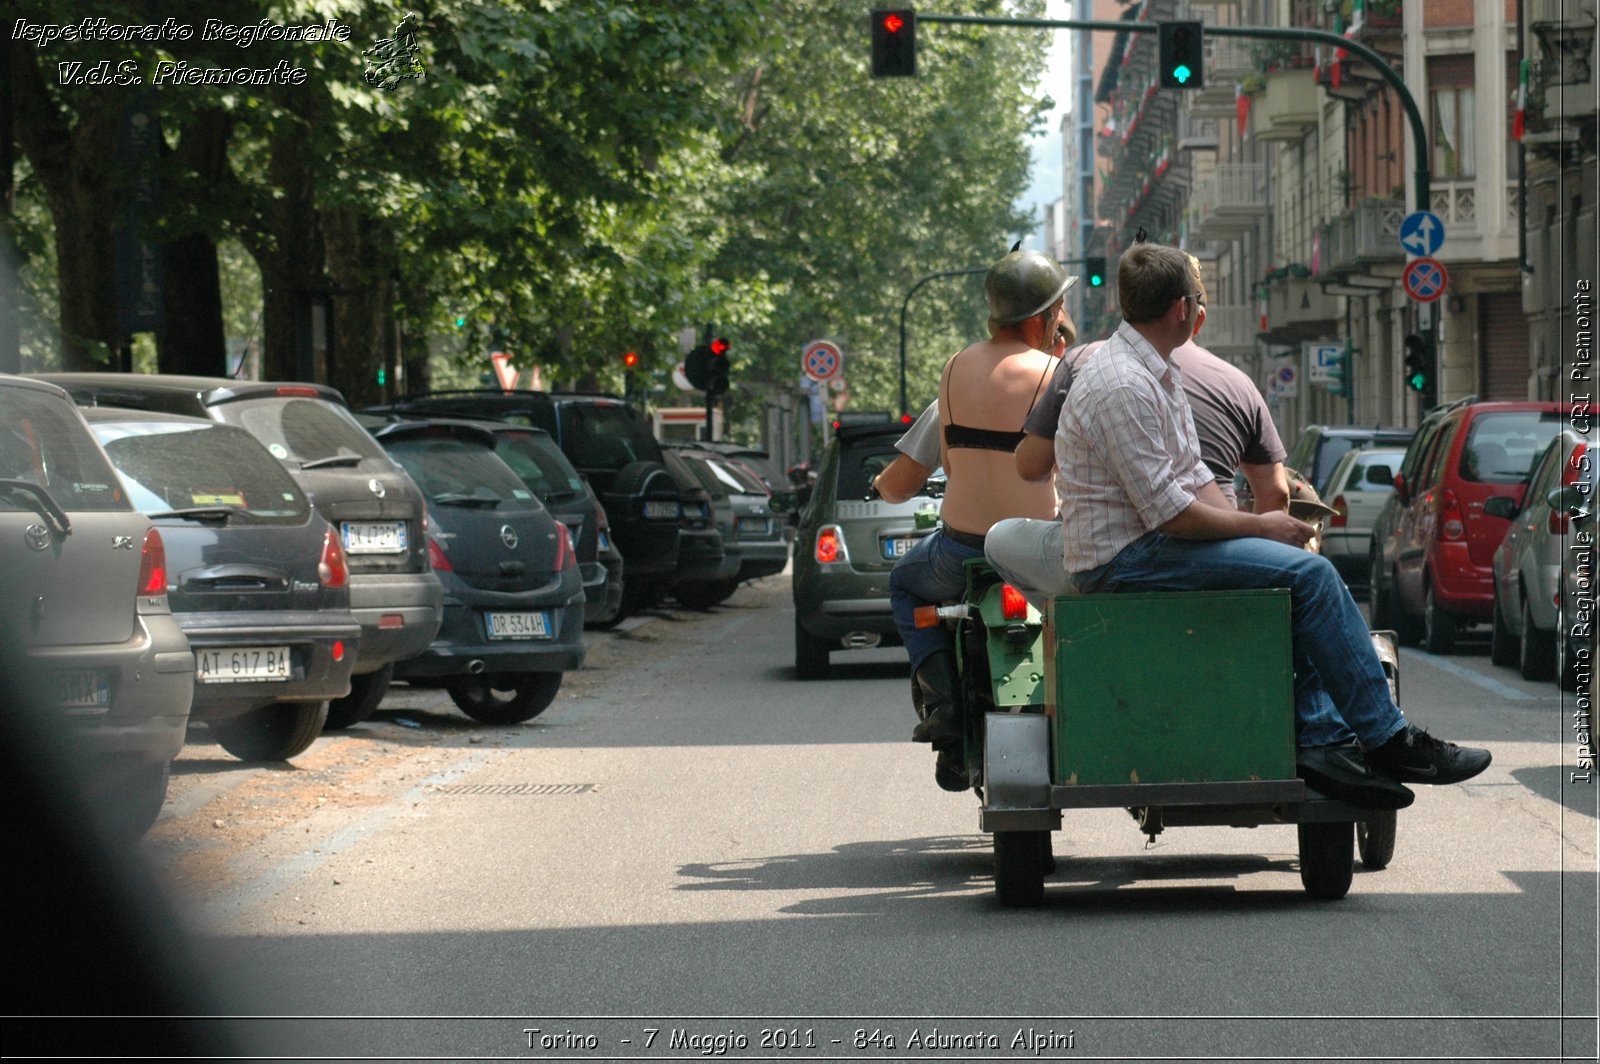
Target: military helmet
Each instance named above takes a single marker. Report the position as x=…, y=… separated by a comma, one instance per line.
x=1023, y=284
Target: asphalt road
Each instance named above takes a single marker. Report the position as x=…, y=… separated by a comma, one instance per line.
x=691, y=842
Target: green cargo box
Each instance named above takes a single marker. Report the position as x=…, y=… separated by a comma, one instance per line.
x=1171, y=687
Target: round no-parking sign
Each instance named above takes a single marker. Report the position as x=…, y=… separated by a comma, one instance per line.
x=1425, y=279
x=822, y=360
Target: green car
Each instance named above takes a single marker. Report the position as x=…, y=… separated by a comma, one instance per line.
x=846, y=546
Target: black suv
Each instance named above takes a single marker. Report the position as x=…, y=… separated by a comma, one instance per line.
x=369, y=500
x=609, y=442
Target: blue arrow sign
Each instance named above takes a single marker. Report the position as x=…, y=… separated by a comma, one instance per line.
x=1422, y=233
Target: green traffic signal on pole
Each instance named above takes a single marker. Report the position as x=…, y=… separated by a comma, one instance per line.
x=1094, y=269
x=1418, y=374
x=1180, y=51
x=894, y=43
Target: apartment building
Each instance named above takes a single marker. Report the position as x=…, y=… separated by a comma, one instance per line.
x=1289, y=174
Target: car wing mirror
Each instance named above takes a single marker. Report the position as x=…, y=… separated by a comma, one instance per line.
x=1570, y=499
x=1500, y=506
x=1400, y=487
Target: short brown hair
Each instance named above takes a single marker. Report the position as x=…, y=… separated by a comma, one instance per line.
x=1149, y=278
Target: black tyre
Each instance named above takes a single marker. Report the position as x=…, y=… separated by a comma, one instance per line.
x=705, y=594
x=1538, y=658
x=504, y=699
x=1375, y=839
x=1503, y=649
x=810, y=655
x=362, y=701
x=1327, y=860
x=1021, y=859
x=1384, y=614
x=1406, y=627
x=133, y=801
x=1438, y=625
x=272, y=733
x=622, y=614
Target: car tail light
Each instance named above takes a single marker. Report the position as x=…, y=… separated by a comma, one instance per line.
x=1341, y=517
x=830, y=544
x=332, y=570
x=1013, y=607
x=153, y=565
x=338, y=650
x=299, y=390
x=566, y=557
x=436, y=555
x=1559, y=519
x=1450, y=524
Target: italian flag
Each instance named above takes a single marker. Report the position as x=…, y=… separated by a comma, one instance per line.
x=1520, y=122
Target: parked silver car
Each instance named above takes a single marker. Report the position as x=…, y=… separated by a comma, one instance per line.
x=1359, y=485
x=87, y=632
x=1544, y=568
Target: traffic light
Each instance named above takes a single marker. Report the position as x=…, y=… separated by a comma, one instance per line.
x=630, y=360
x=695, y=366
x=717, y=367
x=1418, y=374
x=1181, y=52
x=1094, y=268
x=1339, y=373
x=894, y=43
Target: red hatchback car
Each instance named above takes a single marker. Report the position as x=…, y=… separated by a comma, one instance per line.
x=1434, y=546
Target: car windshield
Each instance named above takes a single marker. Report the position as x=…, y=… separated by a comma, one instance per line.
x=860, y=463
x=539, y=463
x=608, y=435
x=456, y=472
x=311, y=433
x=1502, y=447
x=179, y=467
x=43, y=443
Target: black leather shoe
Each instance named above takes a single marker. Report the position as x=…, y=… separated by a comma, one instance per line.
x=1414, y=756
x=936, y=677
x=1341, y=771
x=950, y=770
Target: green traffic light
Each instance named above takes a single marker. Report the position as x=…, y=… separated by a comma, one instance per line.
x=1416, y=381
x=461, y=322
x=1181, y=74
x=1095, y=280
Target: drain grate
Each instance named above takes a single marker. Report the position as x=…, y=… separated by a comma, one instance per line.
x=515, y=788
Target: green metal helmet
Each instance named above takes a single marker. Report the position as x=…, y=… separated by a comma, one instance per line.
x=1023, y=284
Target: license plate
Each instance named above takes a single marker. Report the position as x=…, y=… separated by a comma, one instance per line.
x=373, y=537
x=665, y=510
x=519, y=625
x=898, y=546
x=81, y=688
x=241, y=664
x=604, y=539
x=755, y=526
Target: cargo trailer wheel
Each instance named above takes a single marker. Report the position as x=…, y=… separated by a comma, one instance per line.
x=1327, y=861
x=274, y=732
x=1375, y=840
x=1021, y=859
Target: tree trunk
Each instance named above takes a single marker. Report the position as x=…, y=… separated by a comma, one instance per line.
x=193, y=340
x=360, y=269
x=292, y=281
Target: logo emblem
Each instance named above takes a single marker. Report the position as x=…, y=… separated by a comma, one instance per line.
x=121, y=542
x=36, y=536
x=508, y=536
x=376, y=488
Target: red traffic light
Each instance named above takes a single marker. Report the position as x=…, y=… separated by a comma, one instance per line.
x=719, y=346
x=892, y=22
x=631, y=359
x=906, y=419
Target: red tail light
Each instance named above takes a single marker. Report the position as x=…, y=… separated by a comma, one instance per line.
x=1013, y=607
x=566, y=557
x=332, y=570
x=153, y=565
x=1450, y=524
x=299, y=391
x=436, y=555
x=829, y=545
x=1342, y=518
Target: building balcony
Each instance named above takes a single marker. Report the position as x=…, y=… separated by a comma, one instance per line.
x=1228, y=60
x=1230, y=330
x=1362, y=238
x=1382, y=28
x=1229, y=203
x=1298, y=310
x=1288, y=107
x=1196, y=133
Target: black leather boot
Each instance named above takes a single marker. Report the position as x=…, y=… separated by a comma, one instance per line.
x=936, y=678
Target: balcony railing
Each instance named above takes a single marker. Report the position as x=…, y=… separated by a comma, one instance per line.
x=1229, y=202
x=1196, y=133
x=1228, y=61
x=1287, y=108
x=1362, y=237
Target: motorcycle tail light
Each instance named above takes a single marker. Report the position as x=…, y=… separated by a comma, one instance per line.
x=332, y=570
x=566, y=557
x=1013, y=607
x=1342, y=517
x=153, y=565
x=1450, y=524
x=436, y=556
x=830, y=545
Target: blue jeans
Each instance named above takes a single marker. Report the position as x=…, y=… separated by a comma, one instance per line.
x=929, y=573
x=1340, y=686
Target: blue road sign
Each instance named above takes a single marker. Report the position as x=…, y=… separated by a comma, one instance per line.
x=1422, y=233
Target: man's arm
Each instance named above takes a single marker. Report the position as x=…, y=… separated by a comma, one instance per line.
x=1269, y=484
x=901, y=479
x=1036, y=457
x=1206, y=521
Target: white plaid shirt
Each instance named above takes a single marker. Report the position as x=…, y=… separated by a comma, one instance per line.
x=1127, y=458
